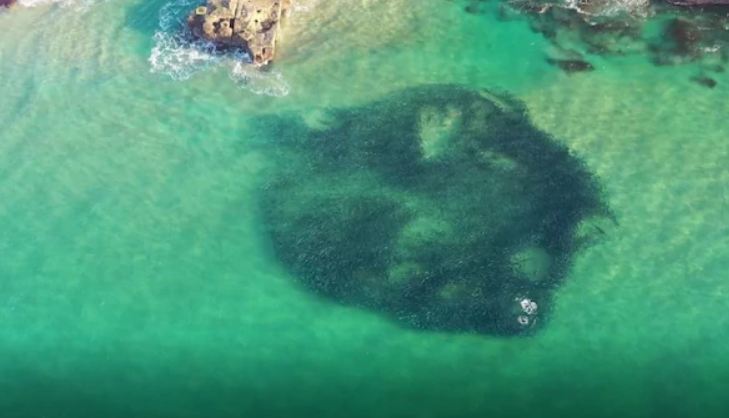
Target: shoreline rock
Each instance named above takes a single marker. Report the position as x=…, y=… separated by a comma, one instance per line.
x=252, y=25
x=7, y=3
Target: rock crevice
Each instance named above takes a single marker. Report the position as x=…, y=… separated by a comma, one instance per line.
x=253, y=25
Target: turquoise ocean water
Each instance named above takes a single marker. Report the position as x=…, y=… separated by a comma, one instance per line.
x=136, y=278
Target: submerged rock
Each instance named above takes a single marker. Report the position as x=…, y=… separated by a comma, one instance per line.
x=440, y=207
x=698, y=38
x=619, y=27
x=571, y=65
x=704, y=81
x=684, y=36
x=475, y=6
x=249, y=24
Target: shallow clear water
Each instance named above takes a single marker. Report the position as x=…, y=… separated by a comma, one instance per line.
x=136, y=278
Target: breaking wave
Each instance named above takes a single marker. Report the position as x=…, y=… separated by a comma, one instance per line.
x=610, y=8
x=78, y=3
x=178, y=55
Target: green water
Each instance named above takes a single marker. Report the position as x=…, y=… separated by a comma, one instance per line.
x=136, y=278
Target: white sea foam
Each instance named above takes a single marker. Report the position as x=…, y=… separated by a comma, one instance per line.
x=304, y=6
x=36, y=3
x=175, y=55
x=270, y=83
x=609, y=8
x=179, y=58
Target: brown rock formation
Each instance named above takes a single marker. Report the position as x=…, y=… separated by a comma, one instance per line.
x=249, y=24
x=6, y=3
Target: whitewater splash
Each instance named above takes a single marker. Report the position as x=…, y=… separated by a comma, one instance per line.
x=177, y=55
x=610, y=8
x=82, y=4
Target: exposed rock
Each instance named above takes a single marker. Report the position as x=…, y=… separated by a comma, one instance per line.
x=6, y=3
x=253, y=25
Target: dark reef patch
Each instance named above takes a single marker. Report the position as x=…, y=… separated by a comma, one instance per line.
x=680, y=41
x=441, y=207
x=475, y=6
x=704, y=81
x=665, y=33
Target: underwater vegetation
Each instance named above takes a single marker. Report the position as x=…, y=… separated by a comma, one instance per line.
x=440, y=207
x=667, y=34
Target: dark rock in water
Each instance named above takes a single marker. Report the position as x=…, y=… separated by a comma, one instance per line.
x=567, y=27
x=571, y=65
x=7, y=3
x=704, y=81
x=440, y=207
x=681, y=42
x=685, y=36
x=475, y=6
x=608, y=27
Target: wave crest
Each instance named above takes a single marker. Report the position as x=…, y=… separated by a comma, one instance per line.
x=610, y=8
x=83, y=4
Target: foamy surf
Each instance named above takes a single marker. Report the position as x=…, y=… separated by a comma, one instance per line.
x=178, y=56
x=270, y=83
x=83, y=4
x=610, y=8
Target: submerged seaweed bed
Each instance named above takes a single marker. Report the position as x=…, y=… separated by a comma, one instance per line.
x=666, y=33
x=441, y=206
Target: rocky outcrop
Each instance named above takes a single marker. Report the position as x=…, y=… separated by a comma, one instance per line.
x=6, y=3
x=253, y=25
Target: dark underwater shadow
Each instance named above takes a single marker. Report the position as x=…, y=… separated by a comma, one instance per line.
x=440, y=207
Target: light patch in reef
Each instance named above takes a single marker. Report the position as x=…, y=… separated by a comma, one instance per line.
x=437, y=127
x=532, y=263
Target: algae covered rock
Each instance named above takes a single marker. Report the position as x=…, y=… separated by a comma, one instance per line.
x=670, y=32
x=249, y=24
x=440, y=207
